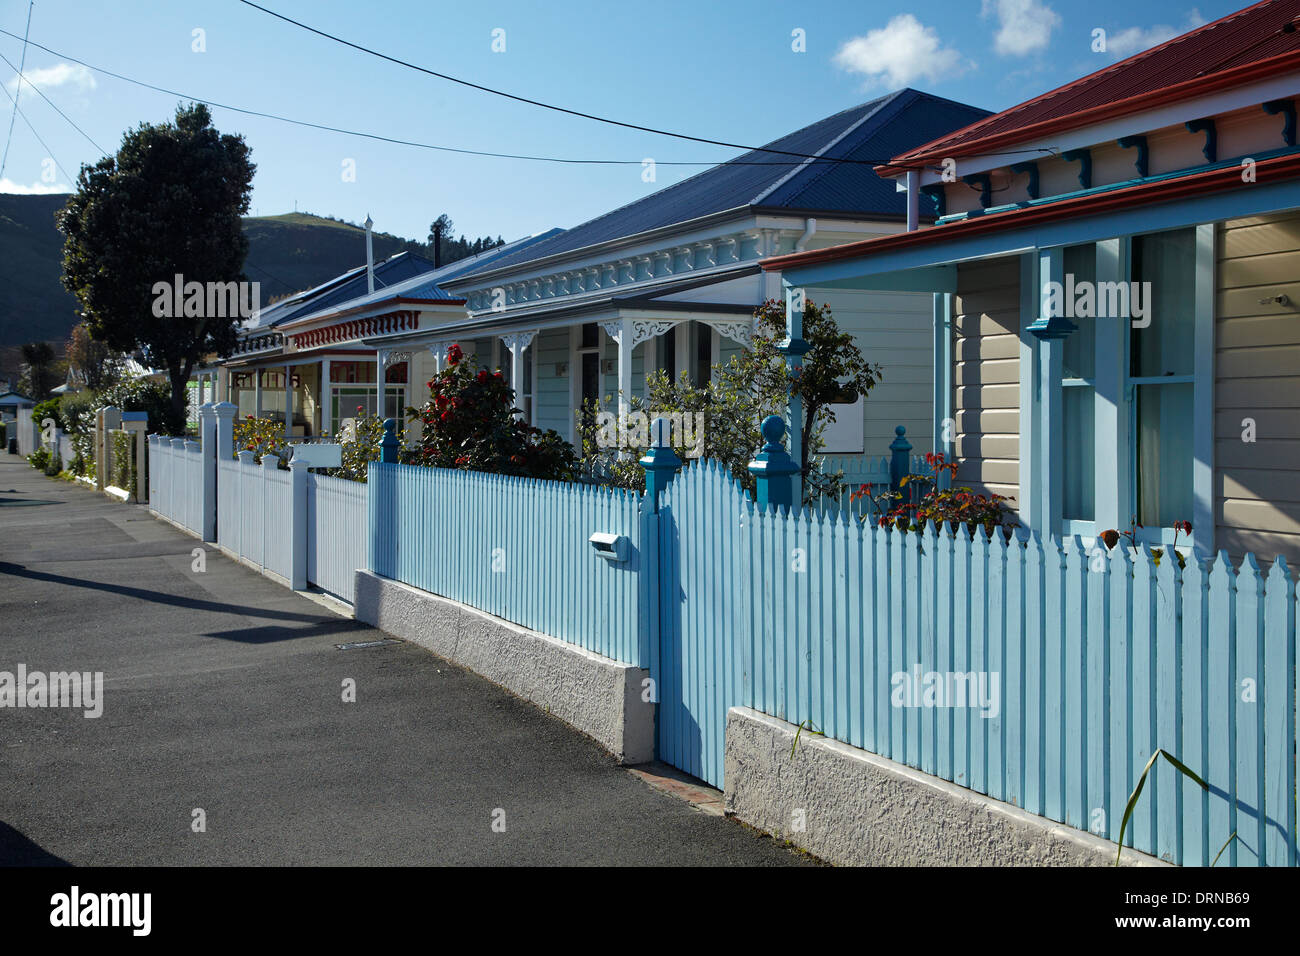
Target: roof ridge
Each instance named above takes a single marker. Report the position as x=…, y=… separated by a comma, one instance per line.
x=817, y=174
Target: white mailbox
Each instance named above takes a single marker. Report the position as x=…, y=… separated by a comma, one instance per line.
x=611, y=547
x=319, y=455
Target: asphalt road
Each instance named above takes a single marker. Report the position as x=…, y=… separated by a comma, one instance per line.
x=223, y=692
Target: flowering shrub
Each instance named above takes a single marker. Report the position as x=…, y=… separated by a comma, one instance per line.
x=920, y=501
x=469, y=423
x=261, y=436
x=361, y=445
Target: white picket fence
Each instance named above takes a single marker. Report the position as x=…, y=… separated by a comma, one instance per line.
x=255, y=513
x=336, y=533
x=176, y=481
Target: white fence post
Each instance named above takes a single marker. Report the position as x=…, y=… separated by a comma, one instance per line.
x=208, y=447
x=298, y=525
x=226, y=413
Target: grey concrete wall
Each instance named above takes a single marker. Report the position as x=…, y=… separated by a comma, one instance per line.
x=597, y=695
x=859, y=809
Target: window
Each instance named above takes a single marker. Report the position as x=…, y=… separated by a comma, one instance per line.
x=703, y=354
x=1162, y=353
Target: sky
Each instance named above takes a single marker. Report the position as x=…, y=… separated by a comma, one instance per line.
x=743, y=73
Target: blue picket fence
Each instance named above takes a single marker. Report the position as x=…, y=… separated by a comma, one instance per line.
x=1042, y=674
x=517, y=548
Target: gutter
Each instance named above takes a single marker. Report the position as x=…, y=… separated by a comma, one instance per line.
x=1280, y=168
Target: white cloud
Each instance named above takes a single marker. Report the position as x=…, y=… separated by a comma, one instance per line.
x=7, y=185
x=1124, y=43
x=72, y=77
x=900, y=53
x=1024, y=26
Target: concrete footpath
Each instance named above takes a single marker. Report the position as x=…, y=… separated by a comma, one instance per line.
x=223, y=692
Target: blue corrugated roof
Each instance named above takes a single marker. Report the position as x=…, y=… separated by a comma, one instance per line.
x=404, y=274
x=871, y=132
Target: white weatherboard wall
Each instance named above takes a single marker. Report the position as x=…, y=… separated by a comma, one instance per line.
x=894, y=330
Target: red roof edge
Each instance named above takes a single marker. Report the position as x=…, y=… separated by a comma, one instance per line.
x=1194, y=184
x=1223, y=79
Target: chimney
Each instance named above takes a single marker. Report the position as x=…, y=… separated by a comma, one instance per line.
x=370, y=256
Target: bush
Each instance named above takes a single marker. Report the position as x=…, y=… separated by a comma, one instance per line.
x=40, y=458
x=144, y=395
x=261, y=436
x=739, y=395
x=123, y=475
x=47, y=409
x=53, y=465
x=469, y=423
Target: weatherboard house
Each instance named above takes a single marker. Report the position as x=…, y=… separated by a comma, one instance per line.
x=671, y=281
x=1117, y=267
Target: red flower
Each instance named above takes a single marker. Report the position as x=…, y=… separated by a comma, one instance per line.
x=454, y=354
x=483, y=375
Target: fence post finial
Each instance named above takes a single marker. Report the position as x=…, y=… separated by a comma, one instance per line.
x=660, y=462
x=773, y=467
x=900, y=460
x=389, y=445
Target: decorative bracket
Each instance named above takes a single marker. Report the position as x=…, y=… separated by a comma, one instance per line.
x=1084, y=158
x=520, y=339
x=1142, y=162
x=738, y=330
x=1211, y=147
x=1030, y=167
x=1287, y=109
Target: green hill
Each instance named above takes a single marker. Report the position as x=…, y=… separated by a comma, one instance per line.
x=285, y=254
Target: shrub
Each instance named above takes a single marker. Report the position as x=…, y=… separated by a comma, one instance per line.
x=469, y=423
x=739, y=395
x=53, y=465
x=143, y=395
x=123, y=475
x=47, y=409
x=40, y=458
x=261, y=436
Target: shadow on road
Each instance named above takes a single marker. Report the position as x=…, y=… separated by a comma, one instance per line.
x=17, y=850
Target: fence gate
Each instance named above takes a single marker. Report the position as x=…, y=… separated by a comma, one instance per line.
x=704, y=624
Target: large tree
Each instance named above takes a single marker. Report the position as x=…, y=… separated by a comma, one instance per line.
x=90, y=358
x=169, y=203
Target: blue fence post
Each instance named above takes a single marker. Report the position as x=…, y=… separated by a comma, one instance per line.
x=660, y=462
x=773, y=467
x=389, y=445
x=900, y=459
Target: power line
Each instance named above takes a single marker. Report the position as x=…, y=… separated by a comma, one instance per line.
x=390, y=139
x=14, y=115
x=561, y=109
x=394, y=140
x=21, y=77
x=19, y=112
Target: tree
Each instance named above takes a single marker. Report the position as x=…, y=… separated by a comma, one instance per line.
x=445, y=249
x=732, y=406
x=169, y=203
x=94, y=361
x=40, y=373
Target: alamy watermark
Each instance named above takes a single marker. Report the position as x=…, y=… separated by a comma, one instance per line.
x=948, y=689
x=35, y=689
x=1098, y=300
x=685, y=430
x=206, y=300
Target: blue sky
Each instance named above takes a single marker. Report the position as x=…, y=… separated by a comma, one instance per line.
x=720, y=70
